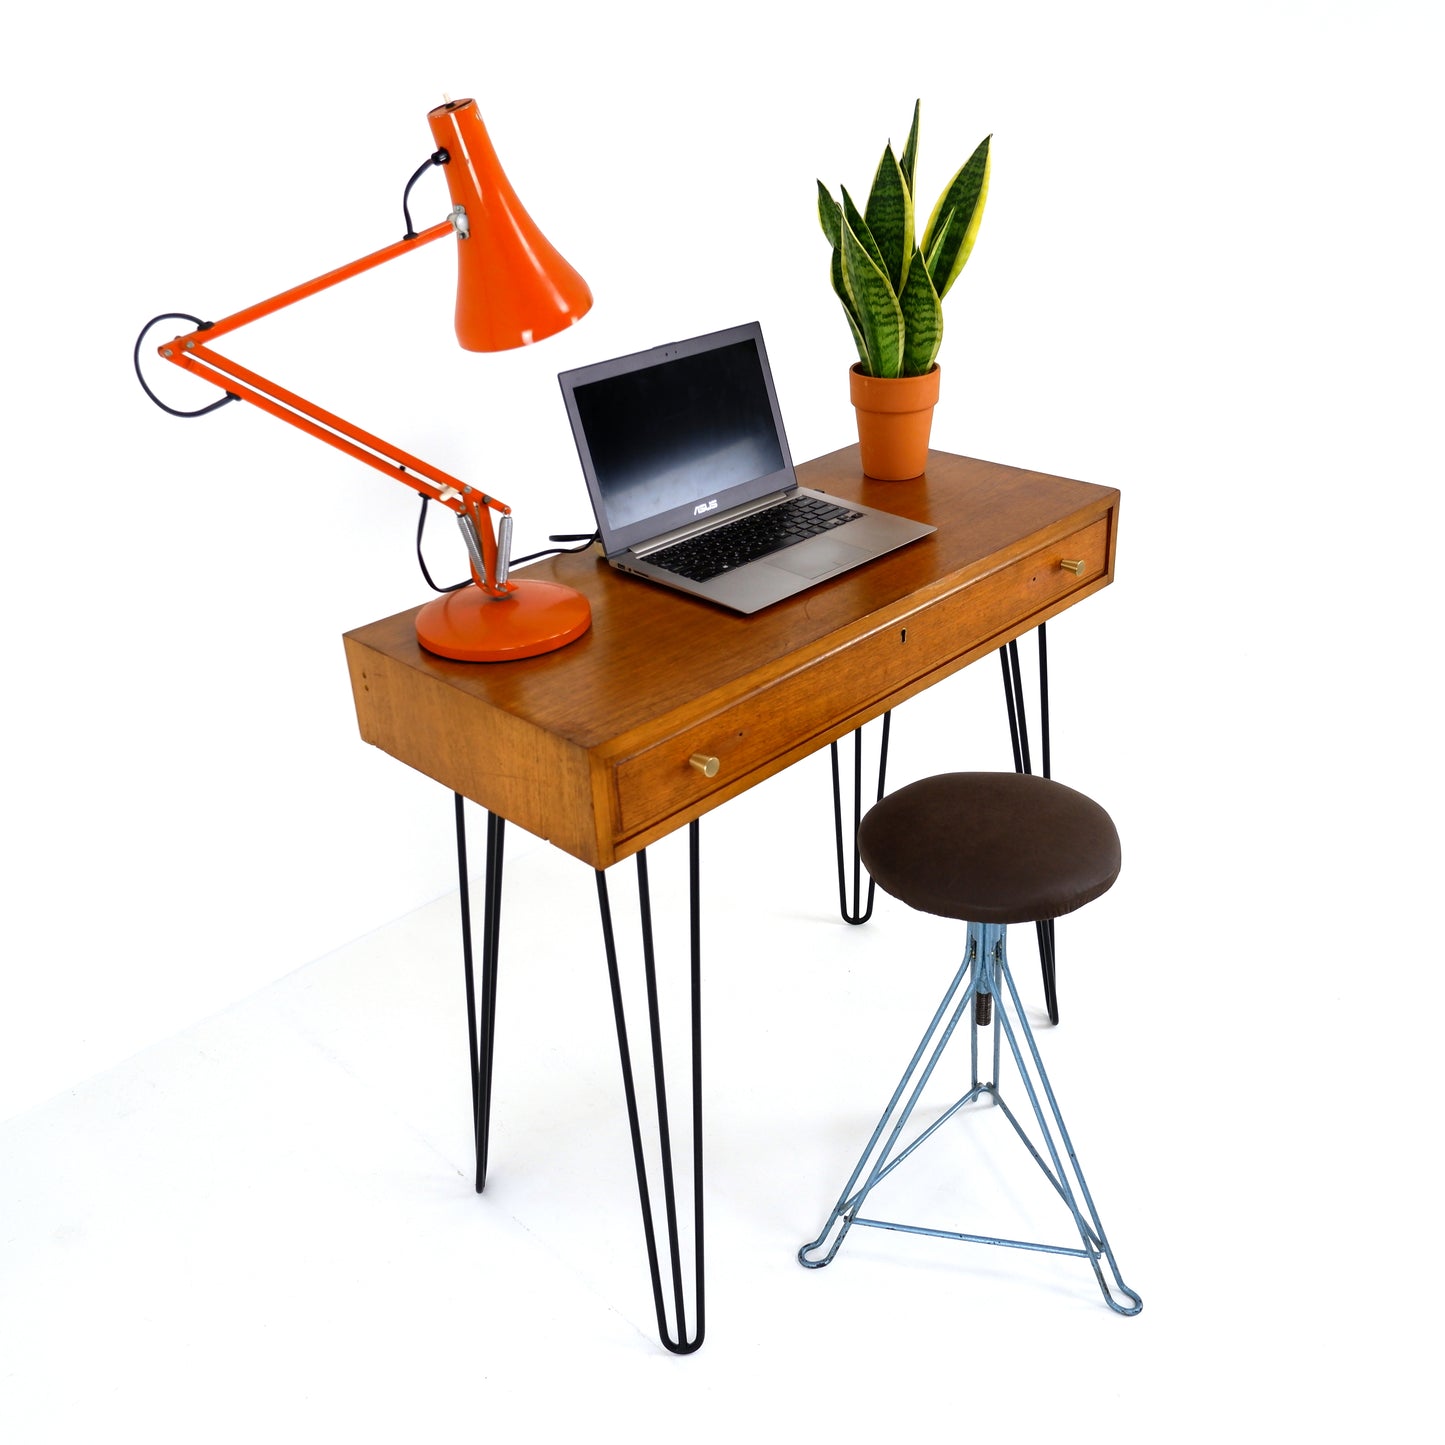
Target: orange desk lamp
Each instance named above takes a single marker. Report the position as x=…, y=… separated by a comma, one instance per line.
x=513, y=288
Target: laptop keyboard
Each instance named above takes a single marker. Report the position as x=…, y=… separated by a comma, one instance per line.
x=735, y=544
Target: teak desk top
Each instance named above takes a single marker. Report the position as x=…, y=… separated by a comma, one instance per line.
x=589, y=747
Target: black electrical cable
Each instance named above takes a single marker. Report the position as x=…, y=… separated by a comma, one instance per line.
x=200, y=326
x=437, y=158
x=421, y=561
x=586, y=539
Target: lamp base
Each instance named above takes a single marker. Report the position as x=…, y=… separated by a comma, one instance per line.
x=470, y=626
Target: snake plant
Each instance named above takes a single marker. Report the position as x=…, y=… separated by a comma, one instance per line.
x=892, y=288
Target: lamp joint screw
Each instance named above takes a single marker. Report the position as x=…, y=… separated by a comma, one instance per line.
x=190, y=346
x=166, y=351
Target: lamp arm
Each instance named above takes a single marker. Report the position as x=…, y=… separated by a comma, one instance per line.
x=472, y=506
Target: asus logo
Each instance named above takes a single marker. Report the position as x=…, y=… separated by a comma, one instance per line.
x=702, y=507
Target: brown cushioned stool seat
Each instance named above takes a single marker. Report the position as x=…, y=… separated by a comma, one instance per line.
x=990, y=847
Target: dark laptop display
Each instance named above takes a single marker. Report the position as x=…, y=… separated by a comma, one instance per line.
x=660, y=436
x=687, y=439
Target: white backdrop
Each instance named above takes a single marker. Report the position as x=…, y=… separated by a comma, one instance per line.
x=1207, y=274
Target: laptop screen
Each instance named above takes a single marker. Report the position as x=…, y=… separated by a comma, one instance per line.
x=672, y=435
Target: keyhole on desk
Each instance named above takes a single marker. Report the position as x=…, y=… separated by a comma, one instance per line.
x=903, y=634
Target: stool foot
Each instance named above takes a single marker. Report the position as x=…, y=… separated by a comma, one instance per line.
x=985, y=969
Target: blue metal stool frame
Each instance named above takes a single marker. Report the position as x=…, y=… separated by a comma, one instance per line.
x=985, y=965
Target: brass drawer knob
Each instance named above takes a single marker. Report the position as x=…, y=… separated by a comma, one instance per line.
x=706, y=765
x=1074, y=565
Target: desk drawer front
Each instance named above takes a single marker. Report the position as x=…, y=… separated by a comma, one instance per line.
x=801, y=706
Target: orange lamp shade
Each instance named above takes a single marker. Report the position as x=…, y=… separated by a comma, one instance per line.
x=513, y=287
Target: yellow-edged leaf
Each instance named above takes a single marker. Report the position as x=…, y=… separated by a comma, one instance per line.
x=875, y=307
x=953, y=226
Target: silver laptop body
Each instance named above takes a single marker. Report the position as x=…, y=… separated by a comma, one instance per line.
x=678, y=442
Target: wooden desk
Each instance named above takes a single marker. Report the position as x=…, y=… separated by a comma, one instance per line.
x=590, y=747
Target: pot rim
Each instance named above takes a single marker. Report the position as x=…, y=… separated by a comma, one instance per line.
x=894, y=393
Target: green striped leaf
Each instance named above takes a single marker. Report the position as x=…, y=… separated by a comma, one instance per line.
x=910, y=152
x=862, y=345
x=874, y=305
x=830, y=216
x=922, y=321
x=842, y=290
x=853, y=221
x=890, y=218
x=930, y=257
x=960, y=208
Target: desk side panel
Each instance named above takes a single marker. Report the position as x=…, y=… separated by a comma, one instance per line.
x=520, y=772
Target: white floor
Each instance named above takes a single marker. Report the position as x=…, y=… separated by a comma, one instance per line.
x=265, y=1226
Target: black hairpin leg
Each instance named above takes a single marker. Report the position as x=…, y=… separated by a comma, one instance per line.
x=481, y=1031
x=675, y=1340
x=852, y=912
x=1013, y=689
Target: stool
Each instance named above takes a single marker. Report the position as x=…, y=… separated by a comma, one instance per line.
x=990, y=849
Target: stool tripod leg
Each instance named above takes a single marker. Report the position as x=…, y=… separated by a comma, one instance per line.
x=1091, y=1231
x=481, y=1036
x=851, y=1200
x=1013, y=691
x=852, y=912
x=987, y=966
x=677, y=1341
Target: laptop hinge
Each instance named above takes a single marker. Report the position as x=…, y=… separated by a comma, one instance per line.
x=645, y=549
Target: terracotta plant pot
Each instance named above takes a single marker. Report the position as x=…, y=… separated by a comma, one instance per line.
x=895, y=416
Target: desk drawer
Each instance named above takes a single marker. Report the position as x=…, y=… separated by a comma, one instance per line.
x=802, y=706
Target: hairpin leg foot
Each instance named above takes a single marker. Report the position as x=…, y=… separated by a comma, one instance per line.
x=676, y=1337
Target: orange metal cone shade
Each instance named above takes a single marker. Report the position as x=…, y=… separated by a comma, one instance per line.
x=512, y=285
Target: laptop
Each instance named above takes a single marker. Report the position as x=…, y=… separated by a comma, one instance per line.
x=692, y=482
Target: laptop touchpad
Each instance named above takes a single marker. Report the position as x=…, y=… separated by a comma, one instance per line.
x=817, y=557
